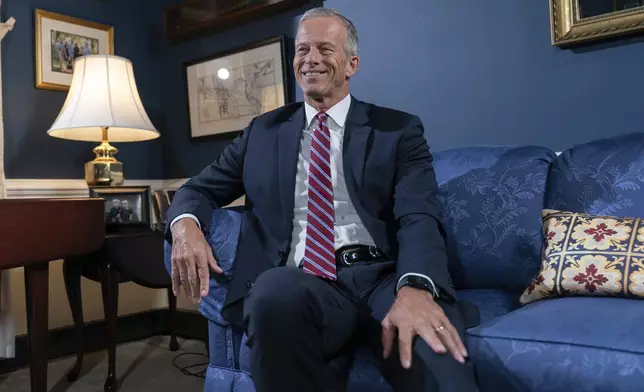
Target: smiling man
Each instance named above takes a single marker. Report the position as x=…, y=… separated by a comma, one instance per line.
x=341, y=241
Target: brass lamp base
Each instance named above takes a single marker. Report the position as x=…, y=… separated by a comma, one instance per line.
x=104, y=170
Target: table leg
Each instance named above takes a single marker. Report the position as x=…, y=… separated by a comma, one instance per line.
x=37, y=295
x=110, y=289
x=172, y=302
x=72, y=276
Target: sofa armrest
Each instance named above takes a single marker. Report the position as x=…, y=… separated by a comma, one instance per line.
x=222, y=233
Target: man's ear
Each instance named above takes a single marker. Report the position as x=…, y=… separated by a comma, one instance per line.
x=352, y=66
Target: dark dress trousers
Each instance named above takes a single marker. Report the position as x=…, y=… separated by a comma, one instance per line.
x=391, y=182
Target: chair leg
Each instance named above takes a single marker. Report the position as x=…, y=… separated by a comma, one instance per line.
x=172, y=303
x=72, y=277
x=110, y=289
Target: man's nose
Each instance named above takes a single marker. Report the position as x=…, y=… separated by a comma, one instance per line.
x=313, y=57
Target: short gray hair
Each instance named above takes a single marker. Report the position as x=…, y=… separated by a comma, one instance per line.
x=351, y=44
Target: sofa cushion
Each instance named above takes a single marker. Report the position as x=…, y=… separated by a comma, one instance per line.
x=365, y=375
x=491, y=199
x=589, y=255
x=221, y=379
x=566, y=344
x=602, y=177
x=490, y=303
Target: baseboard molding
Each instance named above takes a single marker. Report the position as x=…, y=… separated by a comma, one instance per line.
x=138, y=326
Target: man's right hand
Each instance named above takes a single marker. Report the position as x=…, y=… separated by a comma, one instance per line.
x=191, y=257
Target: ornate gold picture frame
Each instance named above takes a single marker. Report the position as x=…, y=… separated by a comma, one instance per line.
x=568, y=26
x=59, y=40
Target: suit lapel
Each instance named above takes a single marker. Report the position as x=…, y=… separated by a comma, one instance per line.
x=355, y=145
x=289, y=138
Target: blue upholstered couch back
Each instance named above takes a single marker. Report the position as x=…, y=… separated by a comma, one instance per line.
x=491, y=199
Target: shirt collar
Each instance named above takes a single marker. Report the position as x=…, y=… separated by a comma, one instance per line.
x=337, y=112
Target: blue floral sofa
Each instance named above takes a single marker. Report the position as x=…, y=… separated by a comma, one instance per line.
x=492, y=199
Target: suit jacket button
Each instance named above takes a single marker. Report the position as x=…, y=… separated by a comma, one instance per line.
x=281, y=253
x=249, y=284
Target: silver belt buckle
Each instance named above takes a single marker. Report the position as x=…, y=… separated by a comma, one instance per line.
x=346, y=257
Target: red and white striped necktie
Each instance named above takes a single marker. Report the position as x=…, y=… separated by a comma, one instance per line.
x=319, y=252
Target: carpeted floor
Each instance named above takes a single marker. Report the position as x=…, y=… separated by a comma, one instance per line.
x=140, y=366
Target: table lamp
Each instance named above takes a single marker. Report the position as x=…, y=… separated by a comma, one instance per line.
x=103, y=104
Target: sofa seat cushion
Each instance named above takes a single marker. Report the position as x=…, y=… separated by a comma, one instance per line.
x=490, y=303
x=365, y=375
x=221, y=379
x=566, y=344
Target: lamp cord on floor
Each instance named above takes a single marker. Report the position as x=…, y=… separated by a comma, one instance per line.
x=186, y=369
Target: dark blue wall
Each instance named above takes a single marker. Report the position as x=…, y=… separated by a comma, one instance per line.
x=28, y=111
x=485, y=73
x=184, y=157
x=481, y=74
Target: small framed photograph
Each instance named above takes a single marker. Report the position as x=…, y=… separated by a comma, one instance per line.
x=125, y=206
x=227, y=90
x=62, y=39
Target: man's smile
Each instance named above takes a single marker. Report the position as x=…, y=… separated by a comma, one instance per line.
x=309, y=74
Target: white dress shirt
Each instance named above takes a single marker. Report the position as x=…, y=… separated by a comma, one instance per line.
x=349, y=229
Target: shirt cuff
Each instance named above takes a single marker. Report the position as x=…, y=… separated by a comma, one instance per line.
x=431, y=282
x=186, y=216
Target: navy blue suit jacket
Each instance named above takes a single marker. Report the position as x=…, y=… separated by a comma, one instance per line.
x=389, y=175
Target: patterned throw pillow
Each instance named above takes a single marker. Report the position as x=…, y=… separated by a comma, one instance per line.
x=589, y=255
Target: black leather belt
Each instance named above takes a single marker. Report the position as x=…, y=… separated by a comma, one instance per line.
x=352, y=254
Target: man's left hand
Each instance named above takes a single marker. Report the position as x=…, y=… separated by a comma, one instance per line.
x=416, y=313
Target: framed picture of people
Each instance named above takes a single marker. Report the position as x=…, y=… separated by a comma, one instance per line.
x=60, y=40
x=126, y=207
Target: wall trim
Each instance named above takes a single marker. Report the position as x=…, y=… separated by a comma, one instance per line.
x=45, y=188
x=41, y=187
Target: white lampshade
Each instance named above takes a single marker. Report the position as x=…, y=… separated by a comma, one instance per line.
x=103, y=93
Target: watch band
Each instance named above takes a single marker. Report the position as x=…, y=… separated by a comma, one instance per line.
x=418, y=282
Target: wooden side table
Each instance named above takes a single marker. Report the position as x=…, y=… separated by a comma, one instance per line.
x=32, y=233
x=124, y=257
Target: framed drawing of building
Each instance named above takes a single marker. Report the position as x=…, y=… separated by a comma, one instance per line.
x=226, y=91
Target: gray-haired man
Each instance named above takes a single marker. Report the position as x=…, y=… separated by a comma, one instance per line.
x=341, y=240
